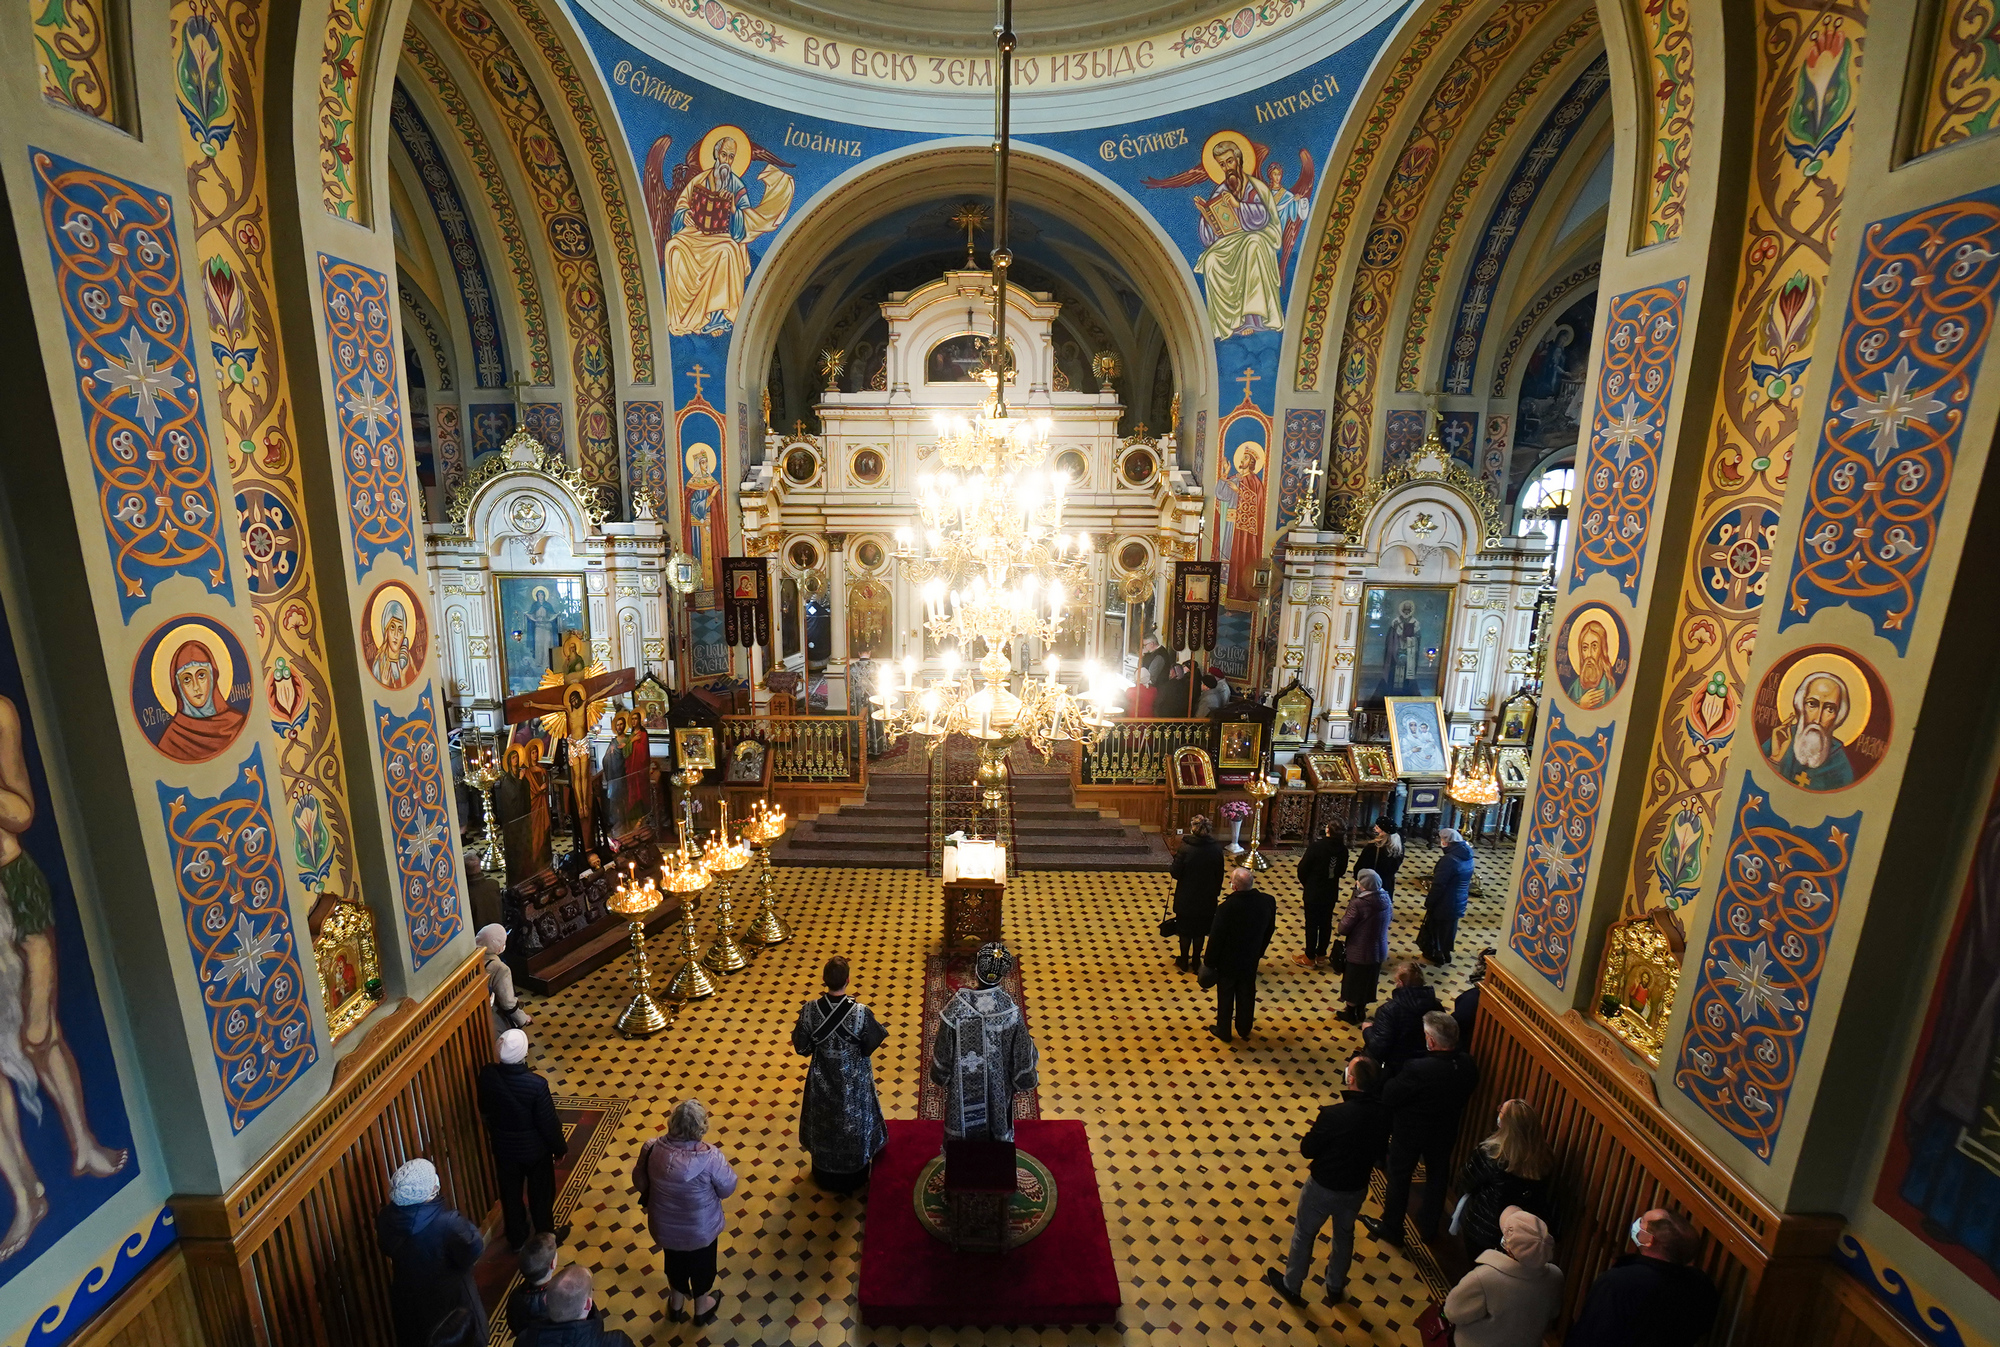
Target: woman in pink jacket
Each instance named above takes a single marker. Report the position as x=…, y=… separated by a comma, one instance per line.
x=681, y=1180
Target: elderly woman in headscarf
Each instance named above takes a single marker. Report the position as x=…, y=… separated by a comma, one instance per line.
x=507, y=1012
x=1365, y=928
x=1513, y=1293
x=431, y=1250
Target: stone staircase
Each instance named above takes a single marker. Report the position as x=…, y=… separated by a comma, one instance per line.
x=891, y=831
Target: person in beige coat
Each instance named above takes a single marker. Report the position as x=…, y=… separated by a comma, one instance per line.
x=1513, y=1293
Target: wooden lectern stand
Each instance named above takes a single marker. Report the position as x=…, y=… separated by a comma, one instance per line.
x=972, y=901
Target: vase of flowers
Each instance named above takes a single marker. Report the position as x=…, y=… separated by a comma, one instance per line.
x=1235, y=811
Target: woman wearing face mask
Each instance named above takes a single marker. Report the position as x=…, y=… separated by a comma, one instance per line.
x=1513, y=1293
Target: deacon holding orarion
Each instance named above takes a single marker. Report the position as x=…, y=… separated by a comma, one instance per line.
x=840, y=1122
x=982, y=1055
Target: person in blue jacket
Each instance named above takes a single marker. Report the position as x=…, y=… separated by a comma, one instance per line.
x=1451, y=883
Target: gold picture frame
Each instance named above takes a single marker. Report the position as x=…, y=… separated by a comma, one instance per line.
x=350, y=968
x=1241, y=744
x=1372, y=766
x=695, y=747
x=1193, y=773
x=1331, y=770
x=1294, y=719
x=1638, y=982
x=1510, y=769
x=1418, y=738
x=1516, y=719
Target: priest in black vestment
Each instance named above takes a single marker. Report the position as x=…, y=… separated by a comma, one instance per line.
x=840, y=1121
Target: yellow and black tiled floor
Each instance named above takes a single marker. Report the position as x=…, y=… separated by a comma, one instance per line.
x=1195, y=1142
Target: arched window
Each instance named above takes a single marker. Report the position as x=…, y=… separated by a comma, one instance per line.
x=1545, y=505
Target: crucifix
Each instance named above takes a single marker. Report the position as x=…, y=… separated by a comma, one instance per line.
x=970, y=216
x=1309, y=507
x=568, y=705
x=514, y=387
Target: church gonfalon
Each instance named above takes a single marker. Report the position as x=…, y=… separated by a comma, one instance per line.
x=764, y=647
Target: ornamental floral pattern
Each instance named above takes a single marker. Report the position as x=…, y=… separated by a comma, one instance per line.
x=414, y=786
x=1386, y=245
x=1562, y=831
x=339, y=101
x=1808, y=61
x=610, y=188
x=1472, y=176
x=117, y=264
x=1962, y=84
x=1503, y=229
x=374, y=464
x=499, y=201
x=224, y=861
x=1669, y=39
x=545, y=166
x=219, y=70
x=646, y=450
x=73, y=55
x=1759, y=973
x=1918, y=316
x=489, y=351
x=1635, y=383
x=1416, y=54
x=1305, y=442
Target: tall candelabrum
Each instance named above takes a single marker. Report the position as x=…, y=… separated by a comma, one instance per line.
x=725, y=860
x=767, y=823
x=1260, y=790
x=634, y=900
x=482, y=770
x=686, y=878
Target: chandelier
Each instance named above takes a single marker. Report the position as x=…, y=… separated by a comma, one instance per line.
x=994, y=565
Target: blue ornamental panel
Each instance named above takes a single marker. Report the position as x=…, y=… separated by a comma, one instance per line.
x=239, y=931
x=374, y=461
x=1917, y=322
x=1755, y=988
x=1302, y=477
x=1635, y=383
x=414, y=786
x=117, y=266
x=1562, y=830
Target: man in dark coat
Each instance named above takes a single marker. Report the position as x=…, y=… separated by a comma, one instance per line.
x=1153, y=659
x=1345, y=1144
x=1424, y=1102
x=526, y=1138
x=1320, y=871
x=1243, y=928
x=1451, y=883
x=482, y=893
x=574, y=1320
x=1651, y=1298
x=1177, y=693
x=1198, y=868
x=1396, y=1034
x=431, y=1250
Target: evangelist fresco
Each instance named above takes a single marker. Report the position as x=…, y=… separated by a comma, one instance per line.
x=709, y=221
x=65, y=1140
x=1249, y=226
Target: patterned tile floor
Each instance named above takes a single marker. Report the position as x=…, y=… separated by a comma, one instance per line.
x=1195, y=1142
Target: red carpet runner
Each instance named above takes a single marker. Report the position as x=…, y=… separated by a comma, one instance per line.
x=1063, y=1276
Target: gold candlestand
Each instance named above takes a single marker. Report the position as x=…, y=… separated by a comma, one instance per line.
x=725, y=859
x=1259, y=790
x=643, y=1018
x=482, y=771
x=685, y=877
x=767, y=824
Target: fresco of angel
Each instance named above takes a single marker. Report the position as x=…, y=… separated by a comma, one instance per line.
x=1249, y=225
x=704, y=221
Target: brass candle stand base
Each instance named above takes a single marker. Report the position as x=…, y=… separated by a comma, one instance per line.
x=643, y=1018
x=767, y=927
x=1260, y=790
x=692, y=982
x=725, y=955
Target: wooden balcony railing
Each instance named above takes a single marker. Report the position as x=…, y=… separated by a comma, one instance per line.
x=1139, y=752
x=287, y=1257
x=804, y=749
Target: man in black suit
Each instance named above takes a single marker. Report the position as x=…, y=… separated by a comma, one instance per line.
x=1424, y=1100
x=1243, y=928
